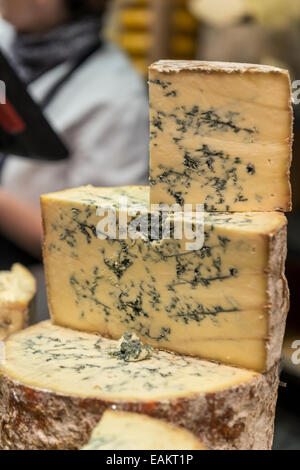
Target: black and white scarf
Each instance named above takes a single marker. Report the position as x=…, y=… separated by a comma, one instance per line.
x=33, y=54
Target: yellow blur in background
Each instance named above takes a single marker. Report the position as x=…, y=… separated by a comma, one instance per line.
x=153, y=29
x=257, y=31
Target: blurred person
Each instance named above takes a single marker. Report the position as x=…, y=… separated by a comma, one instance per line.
x=90, y=94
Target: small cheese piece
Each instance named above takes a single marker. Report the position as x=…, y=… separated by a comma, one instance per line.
x=221, y=135
x=56, y=383
x=131, y=349
x=119, y=430
x=226, y=301
x=17, y=291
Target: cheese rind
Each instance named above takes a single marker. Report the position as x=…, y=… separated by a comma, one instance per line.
x=119, y=430
x=221, y=135
x=56, y=383
x=226, y=301
x=17, y=292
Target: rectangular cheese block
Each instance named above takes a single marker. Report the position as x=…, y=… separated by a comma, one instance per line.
x=226, y=301
x=56, y=383
x=17, y=293
x=221, y=135
x=120, y=430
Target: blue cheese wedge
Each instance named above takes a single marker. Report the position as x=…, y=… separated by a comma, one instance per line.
x=56, y=383
x=226, y=301
x=120, y=430
x=221, y=135
x=17, y=293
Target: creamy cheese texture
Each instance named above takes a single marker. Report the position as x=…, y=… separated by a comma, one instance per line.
x=17, y=290
x=214, y=302
x=221, y=135
x=53, y=358
x=119, y=430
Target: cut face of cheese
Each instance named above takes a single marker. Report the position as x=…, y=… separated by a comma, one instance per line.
x=221, y=135
x=56, y=383
x=82, y=364
x=226, y=301
x=119, y=430
x=17, y=290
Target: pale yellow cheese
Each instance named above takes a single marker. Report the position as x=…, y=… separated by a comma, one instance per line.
x=226, y=301
x=221, y=135
x=59, y=359
x=17, y=290
x=119, y=430
x=56, y=383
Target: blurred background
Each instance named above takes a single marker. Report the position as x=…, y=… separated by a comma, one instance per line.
x=253, y=31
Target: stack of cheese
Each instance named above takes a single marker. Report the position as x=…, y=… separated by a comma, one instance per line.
x=211, y=320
